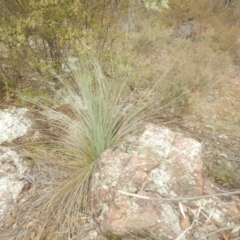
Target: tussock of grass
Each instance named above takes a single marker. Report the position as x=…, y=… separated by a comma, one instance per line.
x=99, y=117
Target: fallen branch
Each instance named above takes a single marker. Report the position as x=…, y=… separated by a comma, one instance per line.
x=179, y=198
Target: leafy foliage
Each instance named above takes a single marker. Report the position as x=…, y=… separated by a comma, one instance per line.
x=153, y=4
x=37, y=34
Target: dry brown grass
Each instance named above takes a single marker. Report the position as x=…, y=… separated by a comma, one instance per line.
x=201, y=68
x=195, y=69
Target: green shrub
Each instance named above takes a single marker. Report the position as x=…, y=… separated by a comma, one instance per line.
x=35, y=35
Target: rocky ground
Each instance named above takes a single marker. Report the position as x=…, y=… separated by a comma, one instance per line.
x=153, y=185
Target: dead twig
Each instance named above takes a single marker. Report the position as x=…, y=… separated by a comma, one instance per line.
x=179, y=198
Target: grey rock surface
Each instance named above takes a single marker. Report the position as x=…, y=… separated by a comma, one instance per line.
x=13, y=125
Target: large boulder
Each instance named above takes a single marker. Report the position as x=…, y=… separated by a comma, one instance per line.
x=156, y=164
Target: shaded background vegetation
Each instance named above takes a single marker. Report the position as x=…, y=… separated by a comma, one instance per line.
x=39, y=36
x=35, y=35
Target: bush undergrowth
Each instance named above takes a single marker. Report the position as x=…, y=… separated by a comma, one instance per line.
x=99, y=104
